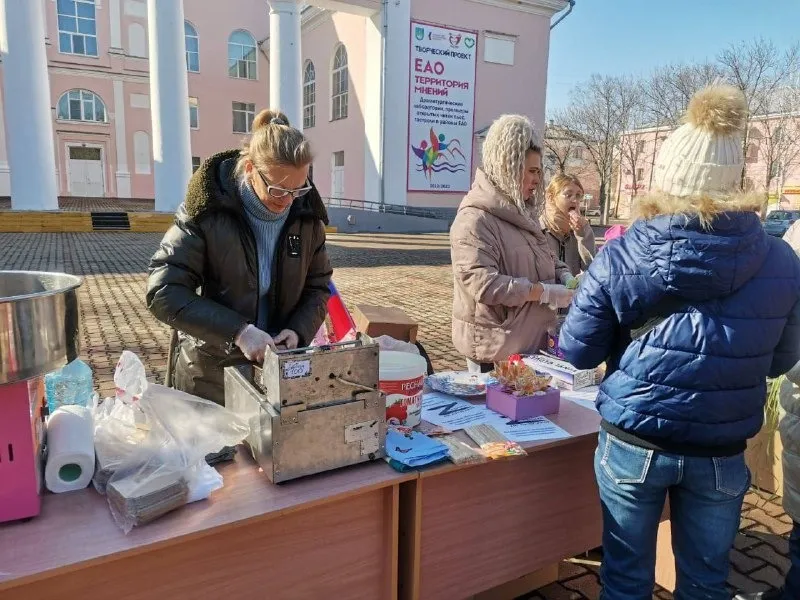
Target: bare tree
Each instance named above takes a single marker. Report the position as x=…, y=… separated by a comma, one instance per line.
x=560, y=145
x=596, y=118
x=775, y=136
x=633, y=148
x=761, y=71
x=668, y=89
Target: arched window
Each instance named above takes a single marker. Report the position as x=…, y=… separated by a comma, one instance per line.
x=309, y=96
x=242, y=55
x=192, y=43
x=81, y=105
x=339, y=84
x=77, y=27
x=137, y=40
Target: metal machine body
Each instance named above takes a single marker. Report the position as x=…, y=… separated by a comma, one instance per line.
x=311, y=410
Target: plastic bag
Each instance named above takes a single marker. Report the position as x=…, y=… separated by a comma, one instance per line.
x=152, y=449
x=388, y=343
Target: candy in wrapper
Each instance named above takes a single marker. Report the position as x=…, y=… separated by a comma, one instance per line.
x=518, y=378
x=492, y=443
x=495, y=450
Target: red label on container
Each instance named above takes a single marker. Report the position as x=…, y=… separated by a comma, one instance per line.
x=406, y=387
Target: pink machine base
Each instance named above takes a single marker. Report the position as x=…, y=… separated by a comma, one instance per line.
x=21, y=433
x=522, y=407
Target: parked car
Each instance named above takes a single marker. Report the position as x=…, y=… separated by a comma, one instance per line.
x=778, y=221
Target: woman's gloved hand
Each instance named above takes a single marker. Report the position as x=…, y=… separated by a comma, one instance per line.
x=253, y=343
x=288, y=339
x=556, y=296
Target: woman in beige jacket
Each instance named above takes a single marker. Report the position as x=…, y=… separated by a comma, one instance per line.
x=507, y=282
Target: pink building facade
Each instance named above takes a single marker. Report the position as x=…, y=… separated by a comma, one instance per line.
x=97, y=57
x=357, y=63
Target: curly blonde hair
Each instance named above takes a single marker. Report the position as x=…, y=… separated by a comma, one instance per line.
x=507, y=143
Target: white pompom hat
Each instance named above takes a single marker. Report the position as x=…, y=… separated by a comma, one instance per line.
x=703, y=157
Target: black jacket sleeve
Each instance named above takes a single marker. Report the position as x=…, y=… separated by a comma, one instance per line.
x=310, y=312
x=176, y=273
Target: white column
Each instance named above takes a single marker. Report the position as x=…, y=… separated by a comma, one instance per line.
x=122, y=174
x=285, y=68
x=29, y=122
x=373, y=119
x=169, y=103
x=395, y=101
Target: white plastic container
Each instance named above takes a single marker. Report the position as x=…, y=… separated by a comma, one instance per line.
x=402, y=377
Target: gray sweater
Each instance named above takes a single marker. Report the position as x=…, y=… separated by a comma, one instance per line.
x=266, y=226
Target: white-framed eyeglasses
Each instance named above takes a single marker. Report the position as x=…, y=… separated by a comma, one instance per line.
x=279, y=192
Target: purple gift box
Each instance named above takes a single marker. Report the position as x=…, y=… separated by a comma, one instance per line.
x=552, y=346
x=522, y=407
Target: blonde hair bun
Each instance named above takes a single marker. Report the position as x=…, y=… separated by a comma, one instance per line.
x=718, y=109
x=274, y=142
x=270, y=117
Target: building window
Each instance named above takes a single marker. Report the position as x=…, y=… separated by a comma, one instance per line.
x=339, y=84
x=639, y=175
x=577, y=153
x=498, y=48
x=192, y=43
x=137, y=40
x=194, y=115
x=243, y=115
x=196, y=162
x=309, y=96
x=242, y=55
x=639, y=146
x=81, y=105
x=752, y=152
x=77, y=27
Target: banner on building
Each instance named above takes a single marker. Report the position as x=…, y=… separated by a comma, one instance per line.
x=441, y=108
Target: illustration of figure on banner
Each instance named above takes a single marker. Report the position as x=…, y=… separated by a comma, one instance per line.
x=434, y=159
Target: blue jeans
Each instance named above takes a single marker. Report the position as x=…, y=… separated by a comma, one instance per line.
x=705, y=496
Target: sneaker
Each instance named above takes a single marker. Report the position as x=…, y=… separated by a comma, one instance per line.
x=775, y=594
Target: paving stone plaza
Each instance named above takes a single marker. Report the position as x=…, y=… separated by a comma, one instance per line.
x=412, y=272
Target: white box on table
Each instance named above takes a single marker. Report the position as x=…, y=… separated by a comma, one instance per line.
x=564, y=374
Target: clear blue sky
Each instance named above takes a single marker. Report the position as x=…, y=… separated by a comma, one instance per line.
x=615, y=37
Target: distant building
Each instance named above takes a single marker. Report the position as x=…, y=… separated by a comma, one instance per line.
x=389, y=95
x=773, y=145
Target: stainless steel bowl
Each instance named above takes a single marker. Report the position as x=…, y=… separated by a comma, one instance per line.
x=39, y=323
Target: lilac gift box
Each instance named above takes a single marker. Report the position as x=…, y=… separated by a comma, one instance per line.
x=522, y=407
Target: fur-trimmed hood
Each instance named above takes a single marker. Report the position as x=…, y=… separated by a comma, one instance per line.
x=213, y=187
x=705, y=208
x=697, y=251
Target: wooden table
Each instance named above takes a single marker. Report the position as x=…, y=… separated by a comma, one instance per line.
x=464, y=530
x=328, y=536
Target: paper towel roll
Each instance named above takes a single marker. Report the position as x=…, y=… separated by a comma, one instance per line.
x=70, y=449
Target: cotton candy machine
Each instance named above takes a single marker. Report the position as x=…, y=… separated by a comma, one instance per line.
x=39, y=333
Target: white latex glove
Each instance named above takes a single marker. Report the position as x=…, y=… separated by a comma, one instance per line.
x=253, y=342
x=556, y=296
x=288, y=339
